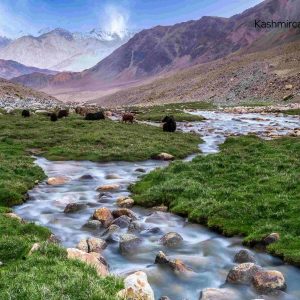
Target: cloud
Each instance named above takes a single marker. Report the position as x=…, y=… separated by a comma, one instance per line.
x=115, y=19
x=13, y=25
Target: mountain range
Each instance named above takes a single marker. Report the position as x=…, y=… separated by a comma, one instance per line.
x=164, y=50
x=61, y=50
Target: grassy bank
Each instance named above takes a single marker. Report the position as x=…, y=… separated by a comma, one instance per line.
x=251, y=187
x=47, y=274
x=158, y=112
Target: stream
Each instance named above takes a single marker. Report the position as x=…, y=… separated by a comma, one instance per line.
x=209, y=254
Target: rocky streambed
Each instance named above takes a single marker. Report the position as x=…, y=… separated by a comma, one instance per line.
x=181, y=259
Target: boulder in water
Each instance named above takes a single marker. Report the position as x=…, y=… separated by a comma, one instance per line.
x=137, y=287
x=74, y=207
x=57, y=180
x=244, y=256
x=92, y=245
x=219, y=294
x=268, y=282
x=163, y=156
x=171, y=239
x=129, y=243
x=125, y=202
x=122, y=222
x=103, y=215
x=108, y=187
x=242, y=273
x=124, y=212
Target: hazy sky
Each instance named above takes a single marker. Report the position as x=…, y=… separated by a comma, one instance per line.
x=29, y=16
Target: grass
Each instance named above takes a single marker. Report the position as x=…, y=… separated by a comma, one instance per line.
x=250, y=188
x=48, y=274
x=293, y=112
x=158, y=112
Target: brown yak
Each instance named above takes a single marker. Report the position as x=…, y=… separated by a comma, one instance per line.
x=128, y=117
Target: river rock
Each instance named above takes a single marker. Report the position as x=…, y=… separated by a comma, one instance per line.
x=161, y=208
x=268, y=282
x=140, y=170
x=135, y=226
x=124, y=212
x=110, y=235
x=171, y=239
x=108, y=187
x=92, y=245
x=74, y=207
x=53, y=239
x=86, y=177
x=112, y=176
x=163, y=156
x=129, y=243
x=271, y=238
x=122, y=222
x=137, y=287
x=57, y=180
x=14, y=216
x=164, y=298
x=243, y=273
x=244, y=256
x=176, y=265
x=93, y=224
x=103, y=215
x=125, y=202
x=219, y=294
x=92, y=259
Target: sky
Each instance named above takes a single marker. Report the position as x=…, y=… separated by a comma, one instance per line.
x=19, y=17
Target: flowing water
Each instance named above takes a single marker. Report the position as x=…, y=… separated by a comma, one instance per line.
x=208, y=254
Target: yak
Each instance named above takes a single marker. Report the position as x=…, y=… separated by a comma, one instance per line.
x=95, y=116
x=25, y=113
x=63, y=113
x=169, y=124
x=53, y=117
x=128, y=117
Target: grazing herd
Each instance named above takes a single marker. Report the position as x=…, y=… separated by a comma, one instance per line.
x=169, y=123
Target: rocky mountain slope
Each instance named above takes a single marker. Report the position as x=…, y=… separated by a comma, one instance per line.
x=14, y=96
x=10, y=69
x=62, y=50
x=4, y=41
x=265, y=76
x=165, y=49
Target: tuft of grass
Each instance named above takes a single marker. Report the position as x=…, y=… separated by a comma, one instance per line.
x=252, y=187
x=158, y=112
x=293, y=112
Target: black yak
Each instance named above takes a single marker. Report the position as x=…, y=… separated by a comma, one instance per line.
x=25, y=113
x=53, y=117
x=169, y=124
x=63, y=113
x=95, y=116
x=128, y=117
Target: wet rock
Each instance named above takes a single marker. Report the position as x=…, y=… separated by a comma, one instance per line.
x=176, y=265
x=86, y=177
x=57, y=180
x=219, y=294
x=122, y=222
x=92, y=259
x=129, y=243
x=153, y=230
x=93, y=224
x=164, y=298
x=103, y=215
x=14, y=216
x=110, y=235
x=268, y=282
x=171, y=239
x=125, y=202
x=74, y=207
x=137, y=287
x=112, y=176
x=35, y=247
x=271, y=238
x=124, y=212
x=163, y=156
x=92, y=245
x=244, y=256
x=140, y=170
x=161, y=208
x=135, y=227
x=243, y=273
x=108, y=187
